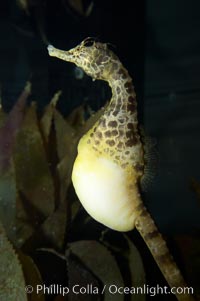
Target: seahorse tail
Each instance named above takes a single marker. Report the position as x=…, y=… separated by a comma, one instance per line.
x=157, y=245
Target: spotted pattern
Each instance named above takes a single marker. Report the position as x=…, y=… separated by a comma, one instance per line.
x=117, y=128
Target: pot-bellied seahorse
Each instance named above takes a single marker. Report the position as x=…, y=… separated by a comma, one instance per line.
x=110, y=162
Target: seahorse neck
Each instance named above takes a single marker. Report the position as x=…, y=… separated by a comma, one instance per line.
x=116, y=131
x=123, y=99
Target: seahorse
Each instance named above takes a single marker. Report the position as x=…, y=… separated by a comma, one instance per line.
x=109, y=166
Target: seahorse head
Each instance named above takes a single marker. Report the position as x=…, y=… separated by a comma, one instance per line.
x=95, y=58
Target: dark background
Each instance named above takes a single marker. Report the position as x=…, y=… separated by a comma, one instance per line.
x=158, y=42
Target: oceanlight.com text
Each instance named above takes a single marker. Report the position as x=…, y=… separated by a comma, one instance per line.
x=113, y=289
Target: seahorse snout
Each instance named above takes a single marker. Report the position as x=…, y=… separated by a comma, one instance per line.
x=67, y=56
x=50, y=49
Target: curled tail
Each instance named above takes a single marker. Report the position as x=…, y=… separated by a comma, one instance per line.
x=157, y=245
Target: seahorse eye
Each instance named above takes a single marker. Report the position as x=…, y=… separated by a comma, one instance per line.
x=88, y=42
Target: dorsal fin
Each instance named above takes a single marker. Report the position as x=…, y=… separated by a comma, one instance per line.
x=151, y=160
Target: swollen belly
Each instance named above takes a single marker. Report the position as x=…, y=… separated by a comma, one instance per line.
x=102, y=188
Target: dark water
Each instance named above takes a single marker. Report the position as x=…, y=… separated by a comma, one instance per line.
x=159, y=45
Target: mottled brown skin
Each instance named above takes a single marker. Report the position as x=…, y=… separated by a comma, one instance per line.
x=116, y=135
x=116, y=132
